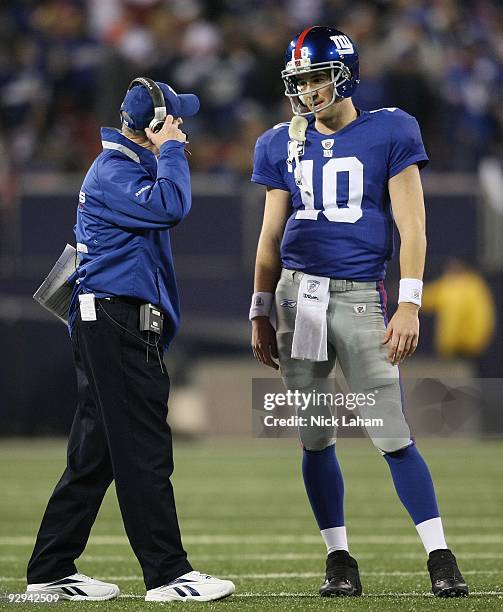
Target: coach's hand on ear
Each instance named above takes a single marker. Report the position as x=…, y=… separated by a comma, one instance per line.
x=169, y=131
x=263, y=342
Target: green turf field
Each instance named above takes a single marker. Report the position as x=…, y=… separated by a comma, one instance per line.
x=244, y=516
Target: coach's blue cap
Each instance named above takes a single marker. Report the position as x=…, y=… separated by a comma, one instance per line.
x=139, y=108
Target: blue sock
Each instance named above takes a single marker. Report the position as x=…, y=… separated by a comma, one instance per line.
x=325, y=486
x=413, y=483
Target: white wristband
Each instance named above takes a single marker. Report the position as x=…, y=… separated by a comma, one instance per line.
x=411, y=290
x=261, y=304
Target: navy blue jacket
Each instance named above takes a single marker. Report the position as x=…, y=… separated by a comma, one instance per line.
x=128, y=202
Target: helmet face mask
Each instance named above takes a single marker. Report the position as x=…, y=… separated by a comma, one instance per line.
x=318, y=49
x=338, y=74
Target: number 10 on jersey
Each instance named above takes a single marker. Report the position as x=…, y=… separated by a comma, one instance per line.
x=348, y=212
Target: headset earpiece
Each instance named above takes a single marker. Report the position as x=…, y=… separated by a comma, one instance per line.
x=157, y=100
x=157, y=127
x=156, y=124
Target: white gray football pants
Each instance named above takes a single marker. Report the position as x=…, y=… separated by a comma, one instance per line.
x=355, y=330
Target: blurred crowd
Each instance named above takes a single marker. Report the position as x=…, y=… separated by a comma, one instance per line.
x=65, y=64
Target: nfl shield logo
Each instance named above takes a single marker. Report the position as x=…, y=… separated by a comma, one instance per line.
x=328, y=143
x=312, y=286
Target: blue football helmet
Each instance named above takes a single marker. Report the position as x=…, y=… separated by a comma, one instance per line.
x=320, y=48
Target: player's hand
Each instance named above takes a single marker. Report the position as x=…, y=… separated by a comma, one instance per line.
x=169, y=131
x=402, y=333
x=263, y=342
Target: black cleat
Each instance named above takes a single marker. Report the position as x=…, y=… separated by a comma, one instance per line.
x=342, y=577
x=446, y=579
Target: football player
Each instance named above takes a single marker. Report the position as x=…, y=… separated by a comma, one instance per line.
x=336, y=179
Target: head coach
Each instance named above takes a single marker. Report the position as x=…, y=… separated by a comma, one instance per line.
x=124, y=312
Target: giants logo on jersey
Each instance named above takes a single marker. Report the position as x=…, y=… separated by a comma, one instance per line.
x=327, y=145
x=343, y=44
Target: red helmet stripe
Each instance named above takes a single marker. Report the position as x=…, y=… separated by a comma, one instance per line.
x=300, y=42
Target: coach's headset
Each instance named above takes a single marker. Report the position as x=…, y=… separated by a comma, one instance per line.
x=158, y=101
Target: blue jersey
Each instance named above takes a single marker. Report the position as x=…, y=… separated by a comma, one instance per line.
x=128, y=202
x=341, y=225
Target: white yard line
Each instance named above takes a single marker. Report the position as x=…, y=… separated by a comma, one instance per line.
x=315, y=595
x=108, y=540
x=261, y=557
x=354, y=523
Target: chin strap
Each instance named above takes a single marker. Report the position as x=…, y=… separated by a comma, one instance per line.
x=297, y=134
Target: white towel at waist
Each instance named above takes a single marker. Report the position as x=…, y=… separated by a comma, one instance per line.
x=310, y=335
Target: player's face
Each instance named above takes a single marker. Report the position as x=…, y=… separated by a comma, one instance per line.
x=316, y=89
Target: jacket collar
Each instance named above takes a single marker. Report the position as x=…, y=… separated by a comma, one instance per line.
x=111, y=138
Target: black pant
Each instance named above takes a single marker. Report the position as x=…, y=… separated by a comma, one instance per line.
x=119, y=433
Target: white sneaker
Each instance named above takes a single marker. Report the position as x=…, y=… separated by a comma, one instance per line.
x=77, y=587
x=192, y=586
